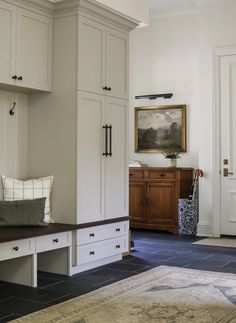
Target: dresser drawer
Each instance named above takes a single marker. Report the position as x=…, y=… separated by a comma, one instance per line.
x=17, y=248
x=101, y=250
x=103, y=232
x=53, y=241
x=161, y=175
x=136, y=174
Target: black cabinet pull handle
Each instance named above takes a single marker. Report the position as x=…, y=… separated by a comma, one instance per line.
x=15, y=248
x=92, y=253
x=110, y=140
x=118, y=246
x=105, y=88
x=14, y=77
x=92, y=235
x=118, y=230
x=109, y=89
x=106, y=140
x=20, y=78
x=56, y=240
x=162, y=175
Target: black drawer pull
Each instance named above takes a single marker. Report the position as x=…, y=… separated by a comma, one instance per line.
x=118, y=230
x=92, y=235
x=14, y=77
x=162, y=175
x=20, y=78
x=109, y=89
x=15, y=248
x=105, y=88
x=92, y=253
x=118, y=246
x=56, y=240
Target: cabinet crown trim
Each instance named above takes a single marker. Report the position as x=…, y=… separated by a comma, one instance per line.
x=98, y=10
x=42, y=5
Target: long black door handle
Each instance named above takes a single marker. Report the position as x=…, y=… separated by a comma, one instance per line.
x=106, y=140
x=110, y=141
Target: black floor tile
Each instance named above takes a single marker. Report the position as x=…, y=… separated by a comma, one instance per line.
x=20, y=306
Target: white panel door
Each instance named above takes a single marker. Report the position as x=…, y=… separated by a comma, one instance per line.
x=90, y=165
x=7, y=41
x=91, y=56
x=228, y=145
x=117, y=163
x=33, y=50
x=117, y=63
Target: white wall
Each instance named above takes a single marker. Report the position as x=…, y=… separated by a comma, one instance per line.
x=137, y=9
x=13, y=135
x=164, y=58
x=217, y=25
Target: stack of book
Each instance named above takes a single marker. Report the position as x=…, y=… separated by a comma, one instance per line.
x=136, y=163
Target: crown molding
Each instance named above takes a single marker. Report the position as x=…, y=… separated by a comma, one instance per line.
x=93, y=8
x=42, y=5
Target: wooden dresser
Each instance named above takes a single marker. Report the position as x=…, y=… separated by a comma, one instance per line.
x=154, y=194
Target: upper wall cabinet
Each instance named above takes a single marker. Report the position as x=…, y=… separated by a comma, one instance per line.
x=102, y=59
x=26, y=48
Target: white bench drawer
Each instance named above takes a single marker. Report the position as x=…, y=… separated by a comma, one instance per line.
x=100, y=250
x=53, y=241
x=103, y=232
x=17, y=248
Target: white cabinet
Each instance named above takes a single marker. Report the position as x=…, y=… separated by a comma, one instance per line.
x=83, y=129
x=103, y=59
x=8, y=42
x=26, y=48
x=102, y=157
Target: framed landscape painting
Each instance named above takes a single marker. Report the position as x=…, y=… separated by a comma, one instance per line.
x=160, y=128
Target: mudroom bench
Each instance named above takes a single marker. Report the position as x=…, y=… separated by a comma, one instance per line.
x=25, y=250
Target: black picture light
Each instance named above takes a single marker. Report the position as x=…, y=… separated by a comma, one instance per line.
x=154, y=96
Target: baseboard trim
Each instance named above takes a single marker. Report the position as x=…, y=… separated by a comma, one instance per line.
x=94, y=264
x=204, y=229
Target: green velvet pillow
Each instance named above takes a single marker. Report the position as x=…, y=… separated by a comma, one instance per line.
x=22, y=212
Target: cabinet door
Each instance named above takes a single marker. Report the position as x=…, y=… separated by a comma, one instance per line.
x=161, y=203
x=137, y=202
x=7, y=41
x=90, y=164
x=34, y=50
x=117, y=163
x=117, y=63
x=91, y=56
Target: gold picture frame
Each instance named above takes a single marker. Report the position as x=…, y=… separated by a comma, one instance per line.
x=160, y=129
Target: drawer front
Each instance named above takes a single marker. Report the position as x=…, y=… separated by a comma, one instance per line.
x=18, y=248
x=101, y=250
x=136, y=175
x=161, y=175
x=53, y=241
x=103, y=232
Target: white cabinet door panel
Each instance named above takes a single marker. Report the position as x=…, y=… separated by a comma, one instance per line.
x=7, y=41
x=117, y=63
x=90, y=164
x=117, y=164
x=91, y=67
x=34, y=50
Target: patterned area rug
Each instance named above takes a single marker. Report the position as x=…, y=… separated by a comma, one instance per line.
x=217, y=242
x=163, y=294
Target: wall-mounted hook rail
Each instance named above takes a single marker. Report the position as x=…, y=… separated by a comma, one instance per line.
x=11, y=111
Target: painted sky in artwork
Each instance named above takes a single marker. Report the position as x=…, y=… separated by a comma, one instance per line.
x=159, y=118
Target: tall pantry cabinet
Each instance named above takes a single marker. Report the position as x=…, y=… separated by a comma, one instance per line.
x=78, y=133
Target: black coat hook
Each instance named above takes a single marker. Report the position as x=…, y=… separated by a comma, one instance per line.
x=11, y=112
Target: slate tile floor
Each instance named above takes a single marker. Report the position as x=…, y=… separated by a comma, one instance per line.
x=152, y=249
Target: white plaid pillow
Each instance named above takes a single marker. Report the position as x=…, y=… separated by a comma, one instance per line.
x=14, y=189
